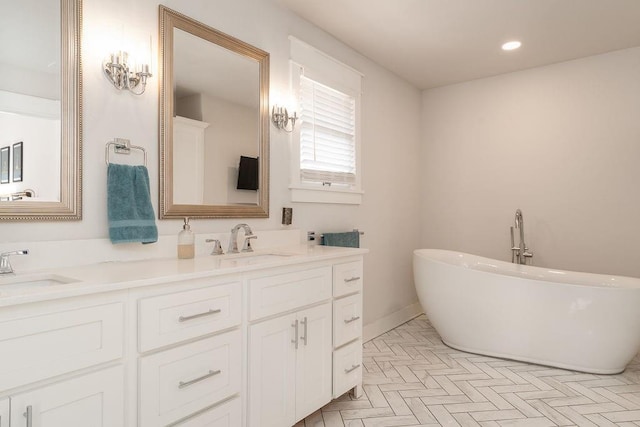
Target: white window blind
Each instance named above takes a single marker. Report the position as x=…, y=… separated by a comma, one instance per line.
x=327, y=134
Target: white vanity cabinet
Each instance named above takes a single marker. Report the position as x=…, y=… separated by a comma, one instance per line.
x=190, y=345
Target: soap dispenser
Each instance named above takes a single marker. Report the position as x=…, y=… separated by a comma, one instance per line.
x=186, y=241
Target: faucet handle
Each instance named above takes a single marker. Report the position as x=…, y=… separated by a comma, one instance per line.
x=5, y=264
x=217, y=247
x=246, y=247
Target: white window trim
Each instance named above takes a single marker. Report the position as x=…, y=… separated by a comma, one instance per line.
x=316, y=192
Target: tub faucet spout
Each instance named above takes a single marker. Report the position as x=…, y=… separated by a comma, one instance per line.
x=519, y=254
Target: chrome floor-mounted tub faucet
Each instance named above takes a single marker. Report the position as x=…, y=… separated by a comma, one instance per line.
x=519, y=254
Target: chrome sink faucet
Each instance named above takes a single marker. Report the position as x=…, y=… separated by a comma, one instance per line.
x=5, y=264
x=519, y=254
x=248, y=236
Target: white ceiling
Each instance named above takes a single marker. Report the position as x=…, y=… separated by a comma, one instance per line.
x=30, y=34
x=433, y=43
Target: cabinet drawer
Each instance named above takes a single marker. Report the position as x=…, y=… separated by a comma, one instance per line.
x=39, y=346
x=227, y=414
x=347, y=368
x=347, y=278
x=181, y=381
x=282, y=292
x=176, y=317
x=347, y=319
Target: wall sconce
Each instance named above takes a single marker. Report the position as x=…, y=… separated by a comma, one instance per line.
x=281, y=118
x=118, y=70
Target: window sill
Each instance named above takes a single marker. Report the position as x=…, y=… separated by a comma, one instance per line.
x=305, y=194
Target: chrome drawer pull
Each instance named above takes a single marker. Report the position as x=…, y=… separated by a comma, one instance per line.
x=351, y=369
x=304, y=337
x=353, y=279
x=29, y=416
x=353, y=319
x=197, y=380
x=195, y=316
x=295, y=327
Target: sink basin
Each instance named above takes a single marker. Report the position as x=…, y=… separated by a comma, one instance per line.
x=33, y=281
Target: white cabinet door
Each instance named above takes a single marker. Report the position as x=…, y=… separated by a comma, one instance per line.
x=313, y=360
x=4, y=412
x=272, y=364
x=95, y=399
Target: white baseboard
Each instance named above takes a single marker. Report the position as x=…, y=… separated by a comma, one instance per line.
x=380, y=326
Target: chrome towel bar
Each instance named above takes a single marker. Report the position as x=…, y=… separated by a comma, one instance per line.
x=311, y=235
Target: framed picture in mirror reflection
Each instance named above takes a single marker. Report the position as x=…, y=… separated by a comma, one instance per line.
x=4, y=165
x=17, y=161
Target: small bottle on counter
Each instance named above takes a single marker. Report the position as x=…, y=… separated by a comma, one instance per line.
x=186, y=241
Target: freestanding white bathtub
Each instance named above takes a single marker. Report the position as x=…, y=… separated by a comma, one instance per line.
x=579, y=321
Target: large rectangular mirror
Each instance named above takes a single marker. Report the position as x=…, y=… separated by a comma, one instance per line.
x=214, y=124
x=40, y=110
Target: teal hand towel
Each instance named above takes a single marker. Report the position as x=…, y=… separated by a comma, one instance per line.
x=350, y=239
x=129, y=208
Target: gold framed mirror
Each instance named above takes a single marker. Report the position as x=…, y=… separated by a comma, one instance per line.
x=41, y=111
x=214, y=122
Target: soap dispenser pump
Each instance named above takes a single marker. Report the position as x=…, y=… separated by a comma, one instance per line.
x=186, y=241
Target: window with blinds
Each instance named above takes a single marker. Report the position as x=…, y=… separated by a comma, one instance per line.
x=327, y=134
x=326, y=160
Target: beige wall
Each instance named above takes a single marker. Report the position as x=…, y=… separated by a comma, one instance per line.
x=560, y=142
x=391, y=137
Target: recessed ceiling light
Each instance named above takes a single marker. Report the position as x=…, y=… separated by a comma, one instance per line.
x=511, y=45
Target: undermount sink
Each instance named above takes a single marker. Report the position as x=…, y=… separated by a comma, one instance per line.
x=33, y=281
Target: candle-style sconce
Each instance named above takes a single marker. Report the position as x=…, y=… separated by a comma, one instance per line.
x=123, y=75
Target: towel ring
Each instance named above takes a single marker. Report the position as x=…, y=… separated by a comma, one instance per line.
x=122, y=146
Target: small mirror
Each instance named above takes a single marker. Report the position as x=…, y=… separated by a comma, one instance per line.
x=40, y=104
x=214, y=142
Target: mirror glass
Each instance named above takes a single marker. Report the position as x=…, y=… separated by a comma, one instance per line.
x=40, y=110
x=214, y=123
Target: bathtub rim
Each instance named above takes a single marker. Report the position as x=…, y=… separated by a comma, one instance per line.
x=519, y=271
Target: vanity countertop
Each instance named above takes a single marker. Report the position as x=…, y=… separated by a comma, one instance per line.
x=119, y=275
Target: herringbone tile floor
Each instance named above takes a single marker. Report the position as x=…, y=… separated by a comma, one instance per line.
x=412, y=379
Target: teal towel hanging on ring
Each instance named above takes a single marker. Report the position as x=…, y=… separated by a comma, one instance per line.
x=129, y=208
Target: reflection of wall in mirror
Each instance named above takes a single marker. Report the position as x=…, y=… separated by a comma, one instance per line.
x=233, y=132
x=188, y=161
x=41, y=145
x=36, y=83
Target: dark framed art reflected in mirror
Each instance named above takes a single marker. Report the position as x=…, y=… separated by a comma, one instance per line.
x=4, y=165
x=17, y=161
